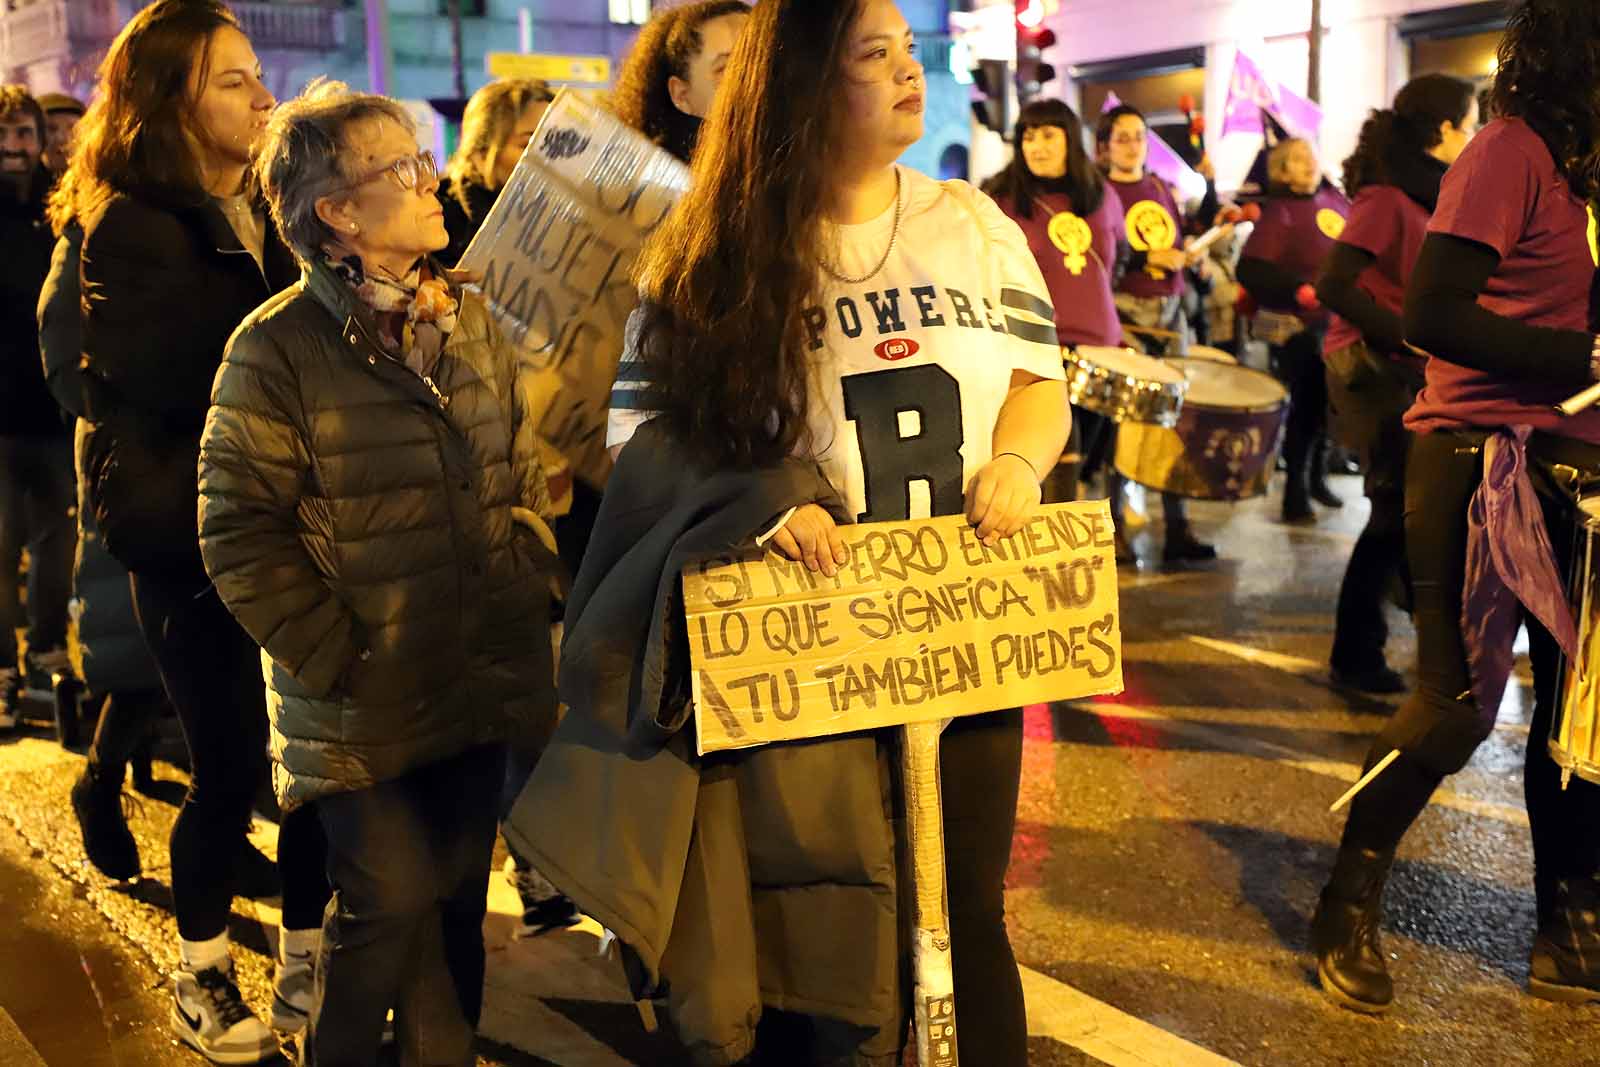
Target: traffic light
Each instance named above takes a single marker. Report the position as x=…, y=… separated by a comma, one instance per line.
x=1033, y=37
x=989, y=103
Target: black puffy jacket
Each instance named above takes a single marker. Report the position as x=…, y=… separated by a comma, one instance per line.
x=164, y=286
x=358, y=522
x=26, y=408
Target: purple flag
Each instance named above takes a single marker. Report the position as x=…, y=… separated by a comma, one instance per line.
x=1250, y=92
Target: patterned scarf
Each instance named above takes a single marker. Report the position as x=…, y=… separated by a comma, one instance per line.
x=415, y=314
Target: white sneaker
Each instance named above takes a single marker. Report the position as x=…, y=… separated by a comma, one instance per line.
x=294, y=992
x=208, y=1014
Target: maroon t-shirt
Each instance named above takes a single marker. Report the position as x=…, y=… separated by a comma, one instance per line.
x=1295, y=234
x=1075, y=256
x=1151, y=221
x=1386, y=223
x=1506, y=193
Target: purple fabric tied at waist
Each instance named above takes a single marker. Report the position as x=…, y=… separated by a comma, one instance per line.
x=1509, y=564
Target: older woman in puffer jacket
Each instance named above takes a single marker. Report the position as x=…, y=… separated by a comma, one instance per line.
x=370, y=503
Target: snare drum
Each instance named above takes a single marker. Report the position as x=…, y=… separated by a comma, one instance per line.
x=1224, y=444
x=1575, y=731
x=1124, y=386
x=1215, y=355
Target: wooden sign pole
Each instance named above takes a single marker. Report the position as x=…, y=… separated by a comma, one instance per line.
x=933, y=995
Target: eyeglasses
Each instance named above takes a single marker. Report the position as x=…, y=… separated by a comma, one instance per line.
x=409, y=171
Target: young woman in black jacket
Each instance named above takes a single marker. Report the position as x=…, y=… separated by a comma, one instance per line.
x=176, y=252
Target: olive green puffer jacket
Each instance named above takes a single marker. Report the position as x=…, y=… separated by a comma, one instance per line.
x=358, y=521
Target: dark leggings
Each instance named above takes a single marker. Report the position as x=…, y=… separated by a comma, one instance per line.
x=1298, y=364
x=212, y=673
x=980, y=768
x=1436, y=730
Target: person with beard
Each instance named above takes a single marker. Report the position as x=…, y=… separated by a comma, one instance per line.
x=177, y=250
x=1502, y=300
x=62, y=113
x=1393, y=177
x=1149, y=294
x=1301, y=217
x=666, y=86
x=500, y=120
x=1055, y=193
x=37, y=484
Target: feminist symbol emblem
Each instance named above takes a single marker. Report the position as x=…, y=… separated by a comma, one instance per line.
x=1072, y=235
x=1151, y=228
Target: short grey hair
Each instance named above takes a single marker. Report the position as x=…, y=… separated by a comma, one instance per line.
x=303, y=156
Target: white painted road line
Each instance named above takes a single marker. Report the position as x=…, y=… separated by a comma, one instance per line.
x=1062, y=1013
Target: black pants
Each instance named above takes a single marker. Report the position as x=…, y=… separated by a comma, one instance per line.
x=125, y=724
x=38, y=490
x=212, y=673
x=1436, y=728
x=1298, y=364
x=1368, y=396
x=409, y=861
x=980, y=767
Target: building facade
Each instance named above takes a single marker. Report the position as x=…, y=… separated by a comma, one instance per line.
x=56, y=45
x=1152, y=52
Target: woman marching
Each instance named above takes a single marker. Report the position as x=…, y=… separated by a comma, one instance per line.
x=366, y=476
x=1055, y=193
x=1501, y=299
x=825, y=336
x=1393, y=178
x=499, y=121
x=666, y=88
x=1149, y=294
x=1301, y=217
x=177, y=250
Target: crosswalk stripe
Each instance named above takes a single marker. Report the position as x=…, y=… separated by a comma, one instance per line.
x=1062, y=1013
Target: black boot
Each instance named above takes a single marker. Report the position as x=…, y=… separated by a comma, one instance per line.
x=97, y=802
x=1319, y=476
x=1297, y=500
x=1344, y=932
x=1565, y=962
x=1183, y=546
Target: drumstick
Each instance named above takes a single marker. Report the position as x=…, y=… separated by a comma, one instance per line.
x=1152, y=331
x=1366, y=780
x=1581, y=402
x=1249, y=213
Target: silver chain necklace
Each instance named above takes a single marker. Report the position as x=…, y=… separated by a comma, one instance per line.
x=887, y=252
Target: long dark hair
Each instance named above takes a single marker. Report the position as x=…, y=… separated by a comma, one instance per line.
x=1549, y=71
x=1391, y=137
x=1085, y=185
x=730, y=270
x=132, y=137
x=665, y=48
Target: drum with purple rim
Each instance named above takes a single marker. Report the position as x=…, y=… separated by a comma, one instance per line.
x=1225, y=443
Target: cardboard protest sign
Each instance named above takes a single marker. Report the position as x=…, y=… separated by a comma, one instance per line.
x=924, y=622
x=556, y=254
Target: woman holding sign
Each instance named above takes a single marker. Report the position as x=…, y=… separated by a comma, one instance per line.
x=666, y=87
x=1301, y=219
x=1150, y=292
x=1502, y=299
x=901, y=338
x=500, y=120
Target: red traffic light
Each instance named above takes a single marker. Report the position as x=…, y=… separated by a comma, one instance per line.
x=1030, y=14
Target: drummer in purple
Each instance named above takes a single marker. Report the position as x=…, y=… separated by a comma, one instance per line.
x=1502, y=299
x=1301, y=218
x=1148, y=293
x=1054, y=192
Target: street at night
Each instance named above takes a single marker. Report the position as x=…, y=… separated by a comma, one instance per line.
x=1169, y=848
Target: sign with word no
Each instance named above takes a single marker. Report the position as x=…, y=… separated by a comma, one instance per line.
x=923, y=622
